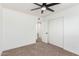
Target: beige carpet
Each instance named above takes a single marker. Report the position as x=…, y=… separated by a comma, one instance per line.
x=38, y=49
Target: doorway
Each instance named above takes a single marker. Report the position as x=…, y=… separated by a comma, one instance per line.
x=39, y=30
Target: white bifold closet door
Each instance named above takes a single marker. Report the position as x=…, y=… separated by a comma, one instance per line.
x=44, y=27
x=56, y=31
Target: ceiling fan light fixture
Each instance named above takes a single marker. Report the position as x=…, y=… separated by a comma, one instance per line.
x=43, y=8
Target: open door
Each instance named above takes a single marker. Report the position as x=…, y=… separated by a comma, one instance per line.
x=39, y=32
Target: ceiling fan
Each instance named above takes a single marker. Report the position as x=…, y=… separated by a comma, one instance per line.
x=44, y=7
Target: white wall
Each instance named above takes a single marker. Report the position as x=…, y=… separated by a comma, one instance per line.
x=19, y=29
x=71, y=28
x=0, y=28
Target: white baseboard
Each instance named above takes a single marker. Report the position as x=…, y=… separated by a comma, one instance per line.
x=77, y=53
x=24, y=44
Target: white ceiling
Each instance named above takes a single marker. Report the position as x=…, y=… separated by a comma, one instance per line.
x=26, y=7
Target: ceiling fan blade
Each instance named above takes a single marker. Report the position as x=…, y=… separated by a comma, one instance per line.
x=44, y=4
x=35, y=8
x=50, y=9
x=52, y=4
x=42, y=11
x=37, y=4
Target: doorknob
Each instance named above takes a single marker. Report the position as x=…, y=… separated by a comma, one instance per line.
x=46, y=33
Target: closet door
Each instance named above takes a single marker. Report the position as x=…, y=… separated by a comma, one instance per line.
x=1, y=28
x=45, y=33
x=56, y=30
